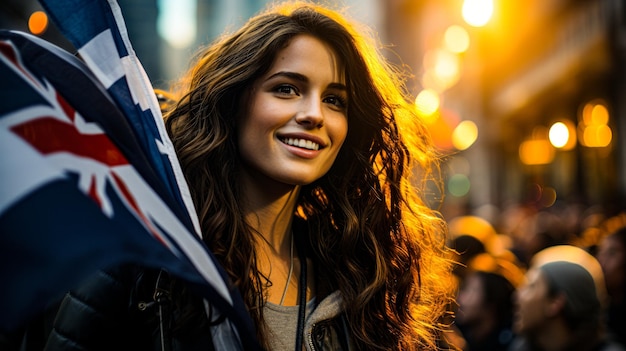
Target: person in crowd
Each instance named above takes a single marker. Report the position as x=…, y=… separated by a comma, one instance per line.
x=611, y=253
x=300, y=146
x=485, y=303
x=559, y=307
x=469, y=236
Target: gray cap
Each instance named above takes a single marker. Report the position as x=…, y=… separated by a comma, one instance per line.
x=578, y=285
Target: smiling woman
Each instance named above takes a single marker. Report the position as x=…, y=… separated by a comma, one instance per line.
x=299, y=102
x=300, y=148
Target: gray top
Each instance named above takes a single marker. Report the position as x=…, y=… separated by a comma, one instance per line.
x=282, y=322
x=328, y=308
x=283, y=325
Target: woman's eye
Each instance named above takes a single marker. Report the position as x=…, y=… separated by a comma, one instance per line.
x=335, y=100
x=286, y=90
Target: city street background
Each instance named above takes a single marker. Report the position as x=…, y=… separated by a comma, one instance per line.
x=527, y=99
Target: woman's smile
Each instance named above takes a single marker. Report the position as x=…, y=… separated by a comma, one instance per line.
x=301, y=143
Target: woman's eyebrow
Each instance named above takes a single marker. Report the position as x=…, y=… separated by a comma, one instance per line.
x=304, y=79
x=288, y=74
x=337, y=86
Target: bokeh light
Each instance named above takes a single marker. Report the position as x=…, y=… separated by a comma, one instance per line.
x=427, y=103
x=593, y=129
x=477, y=12
x=536, y=152
x=548, y=197
x=464, y=135
x=562, y=135
x=177, y=22
x=38, y=22
x=456, y=39
x=597, y=135
x=559, y=134
x=442, y=69
x=458, y=185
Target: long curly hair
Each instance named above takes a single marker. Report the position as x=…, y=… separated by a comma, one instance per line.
x=367, y=227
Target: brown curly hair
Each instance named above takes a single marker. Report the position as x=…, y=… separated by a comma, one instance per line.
x=367, y=226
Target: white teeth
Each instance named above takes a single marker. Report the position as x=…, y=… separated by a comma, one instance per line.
x=303, y=143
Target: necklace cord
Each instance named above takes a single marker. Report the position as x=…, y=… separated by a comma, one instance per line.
x=282, y=299
x=302, y=298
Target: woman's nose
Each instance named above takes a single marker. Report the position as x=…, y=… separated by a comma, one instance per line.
x=311, y=114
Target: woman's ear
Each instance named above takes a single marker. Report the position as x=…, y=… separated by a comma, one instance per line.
x=556, y=304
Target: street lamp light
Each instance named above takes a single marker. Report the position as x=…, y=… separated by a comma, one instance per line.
x=477, y=12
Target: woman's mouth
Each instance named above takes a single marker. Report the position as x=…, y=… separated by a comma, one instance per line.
x=302, y=143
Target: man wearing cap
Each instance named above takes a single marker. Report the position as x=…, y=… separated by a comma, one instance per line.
x=558, y=308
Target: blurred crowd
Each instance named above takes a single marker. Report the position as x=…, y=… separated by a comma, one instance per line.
x=532, y=279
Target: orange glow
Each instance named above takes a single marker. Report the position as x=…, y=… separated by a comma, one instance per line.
x=456, y=39
x=477, y=12
x=562, y=135
x=442, y=69
x=38, y=22
x=440, y=132
x=427, y=102
x=464, y=135
x=593, y=129
x=597, y=135
x=536, y=152
x=595, y=112
x=574, y=254
x=431, y=81
x=559, y=134
x=448, y=68
x=441, y=127
x=599, y=114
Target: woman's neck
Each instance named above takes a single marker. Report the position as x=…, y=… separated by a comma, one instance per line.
x=269, y=209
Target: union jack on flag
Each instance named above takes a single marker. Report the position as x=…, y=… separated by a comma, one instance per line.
x=89, y=178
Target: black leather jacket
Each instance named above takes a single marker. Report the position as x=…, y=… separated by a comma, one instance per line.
x=120, y=310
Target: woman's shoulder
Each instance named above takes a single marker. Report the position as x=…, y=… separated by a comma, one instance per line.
x=106, y=308
x=327, y=307
x=120, y=282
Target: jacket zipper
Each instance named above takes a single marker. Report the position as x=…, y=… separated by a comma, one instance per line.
x=310, y=337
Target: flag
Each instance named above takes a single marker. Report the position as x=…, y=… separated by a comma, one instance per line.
x=89, y=177
x=97, y=29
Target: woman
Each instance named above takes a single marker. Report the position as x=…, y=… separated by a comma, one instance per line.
x=298, y=147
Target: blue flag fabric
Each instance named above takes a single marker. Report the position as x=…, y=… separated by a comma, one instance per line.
x=97, y=29
x=82, y=187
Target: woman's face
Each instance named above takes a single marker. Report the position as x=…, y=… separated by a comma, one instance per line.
x=296, y=118
x=532, y=303
x=471, y=300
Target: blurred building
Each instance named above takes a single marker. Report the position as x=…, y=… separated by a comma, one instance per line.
x=530, y=105
x=542, y=81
